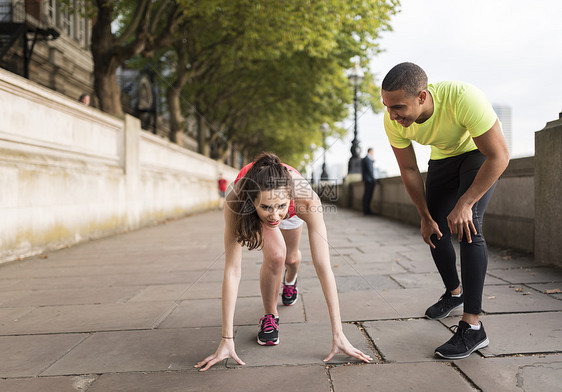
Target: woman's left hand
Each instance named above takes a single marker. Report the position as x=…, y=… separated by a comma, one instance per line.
x=341, y=345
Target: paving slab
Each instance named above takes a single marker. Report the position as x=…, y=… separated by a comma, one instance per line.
x=517, y=299
x=421, y=280
x=50, y=269
x=9, y=284
x=528, y=275
x=407, y=340
x=364, y=283
x=354, y=306
x=289, y=378
x=64, y=282
x=29, y=355
x=207, y=313
x=76, y=296
x=427, y=376
x=47, y=384
x=418, y=264
x=529, y=374
x=376, y=304
x=300, y=344
x=554, y=290
x=507, y=258
x=85, y=318
x=525, y=333
x=376, y=254
x=138, y=351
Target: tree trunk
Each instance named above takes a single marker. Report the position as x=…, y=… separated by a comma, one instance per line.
x=177, y=121
x=107, y=89
x=202, y=141
x=105, y=62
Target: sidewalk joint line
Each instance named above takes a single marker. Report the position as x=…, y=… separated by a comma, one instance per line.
x=177, y=301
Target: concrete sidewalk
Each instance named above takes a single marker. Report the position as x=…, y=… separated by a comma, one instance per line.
x=136, y=311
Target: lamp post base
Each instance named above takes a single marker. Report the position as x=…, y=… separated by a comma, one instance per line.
x=354, y=166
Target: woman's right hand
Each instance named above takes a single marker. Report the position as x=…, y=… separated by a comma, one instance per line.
x=225, y=350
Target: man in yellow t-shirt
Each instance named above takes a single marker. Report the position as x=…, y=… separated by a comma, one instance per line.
x=468, y=154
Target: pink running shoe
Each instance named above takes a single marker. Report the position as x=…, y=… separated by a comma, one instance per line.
x=290, y=294
x=268, y=334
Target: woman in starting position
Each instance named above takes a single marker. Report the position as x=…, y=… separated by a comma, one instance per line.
x=265, y=210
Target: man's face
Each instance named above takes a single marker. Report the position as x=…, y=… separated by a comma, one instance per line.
x=402, y=108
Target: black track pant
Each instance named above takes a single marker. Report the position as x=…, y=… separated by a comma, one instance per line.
x=367, y=196
x=447, y=180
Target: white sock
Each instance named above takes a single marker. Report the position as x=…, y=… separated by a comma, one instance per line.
x=456, y=295
x=291, y=283
x=475, y=327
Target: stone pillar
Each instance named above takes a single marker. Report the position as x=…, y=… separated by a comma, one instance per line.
x=548, y=194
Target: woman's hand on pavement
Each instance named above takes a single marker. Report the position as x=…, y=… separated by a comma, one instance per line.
x=225, y=350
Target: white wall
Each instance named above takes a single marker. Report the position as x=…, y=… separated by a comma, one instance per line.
x=69, y=173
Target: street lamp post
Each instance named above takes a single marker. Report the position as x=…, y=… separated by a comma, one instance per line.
x=324, y=128
x=354, y=166
x=312, y=150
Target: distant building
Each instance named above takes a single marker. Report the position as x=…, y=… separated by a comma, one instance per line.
x=504, y=115
x=45, y=42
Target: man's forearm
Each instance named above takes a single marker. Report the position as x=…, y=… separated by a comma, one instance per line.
x=414, y=185
x=488, y=174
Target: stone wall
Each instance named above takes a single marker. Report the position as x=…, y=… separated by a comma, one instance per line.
x=70, y=173
x=548, y=191
x=524, y=213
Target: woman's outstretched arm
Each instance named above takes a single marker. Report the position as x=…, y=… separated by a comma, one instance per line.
x=231, y=281
x=309, y=209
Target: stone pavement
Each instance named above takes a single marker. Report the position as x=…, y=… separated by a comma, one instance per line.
x=136, y=311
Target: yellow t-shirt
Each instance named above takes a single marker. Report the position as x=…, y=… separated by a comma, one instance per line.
x=461, y=112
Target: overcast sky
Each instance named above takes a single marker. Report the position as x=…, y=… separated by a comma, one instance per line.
x=511, y=49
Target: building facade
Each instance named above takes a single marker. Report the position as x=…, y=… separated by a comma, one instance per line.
x=48, y=42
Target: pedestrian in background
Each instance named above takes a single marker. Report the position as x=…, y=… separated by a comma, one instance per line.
x=85, y=99
x=222, y=183
x=369, y=180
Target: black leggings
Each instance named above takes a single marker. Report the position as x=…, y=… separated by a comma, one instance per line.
x=447, y=180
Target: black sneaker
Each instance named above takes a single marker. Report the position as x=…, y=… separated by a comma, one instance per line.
x=446, y=304
x=268, y=334
x=463, y=343
x=290, y=294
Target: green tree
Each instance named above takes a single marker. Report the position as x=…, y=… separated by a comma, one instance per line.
x=146, y=25
x=275, y=83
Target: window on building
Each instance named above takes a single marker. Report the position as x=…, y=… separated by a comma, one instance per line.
x=66, y=22
x=51, y=8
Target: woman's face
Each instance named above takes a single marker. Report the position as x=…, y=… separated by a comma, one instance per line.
x=272, y=206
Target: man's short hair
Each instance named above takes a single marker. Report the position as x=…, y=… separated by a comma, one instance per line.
x=405, y=76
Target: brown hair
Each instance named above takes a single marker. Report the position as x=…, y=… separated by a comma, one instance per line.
x=267, y=173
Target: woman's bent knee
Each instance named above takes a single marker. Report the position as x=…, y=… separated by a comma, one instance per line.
x=275, y=261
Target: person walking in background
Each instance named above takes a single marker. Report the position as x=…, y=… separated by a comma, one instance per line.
x=369, y=181
x=468, y=155
x=266, y=211
x=85, y=99
x=222, y=183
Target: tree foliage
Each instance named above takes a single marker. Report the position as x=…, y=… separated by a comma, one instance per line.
x=257, y=74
